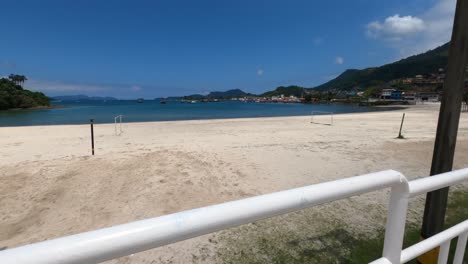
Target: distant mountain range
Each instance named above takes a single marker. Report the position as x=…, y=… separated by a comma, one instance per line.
x=81, y=97
x=234, y=93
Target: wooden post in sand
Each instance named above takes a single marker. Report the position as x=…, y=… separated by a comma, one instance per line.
x=447, y=127
x=401, y=126
x=91, y=121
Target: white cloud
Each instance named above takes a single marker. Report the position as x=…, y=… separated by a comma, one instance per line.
x=414, y=34
x=395, y=27
x=135, y=88
x=439, y=20
x=260, y=72
x=339, y=60
x=118, y=90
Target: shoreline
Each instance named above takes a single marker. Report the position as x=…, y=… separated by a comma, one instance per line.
x=42, y=107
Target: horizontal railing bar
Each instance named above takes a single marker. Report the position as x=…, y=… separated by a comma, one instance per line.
x=109, y=243
x=427, y=184
x=433, y=242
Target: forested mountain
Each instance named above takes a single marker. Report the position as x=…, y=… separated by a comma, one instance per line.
x=12, y=94
x=227, y=94
x=286, y=91
x=425, y=63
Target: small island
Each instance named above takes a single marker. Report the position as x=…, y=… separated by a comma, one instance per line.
x=14, y=96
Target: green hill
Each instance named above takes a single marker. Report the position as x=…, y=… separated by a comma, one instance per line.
x=12, y=95
x=286, y=91
x=425, y=63
x=227, y=94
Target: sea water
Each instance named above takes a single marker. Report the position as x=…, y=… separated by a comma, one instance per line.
x=152, y=110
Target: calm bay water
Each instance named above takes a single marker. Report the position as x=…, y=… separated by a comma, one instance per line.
x=104, y=112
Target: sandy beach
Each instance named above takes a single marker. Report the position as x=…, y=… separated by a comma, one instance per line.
x=50, y=185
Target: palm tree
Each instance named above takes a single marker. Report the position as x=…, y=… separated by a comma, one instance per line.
x=13, y=78
x=22, y=79
x=17, y=79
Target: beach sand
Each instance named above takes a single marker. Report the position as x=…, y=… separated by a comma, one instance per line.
x=50, y=185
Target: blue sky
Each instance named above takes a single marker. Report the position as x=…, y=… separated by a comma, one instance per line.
x=131, y=49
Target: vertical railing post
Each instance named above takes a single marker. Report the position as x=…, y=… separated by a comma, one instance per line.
x=444, y=252
x=396, y=220
x=461, y=246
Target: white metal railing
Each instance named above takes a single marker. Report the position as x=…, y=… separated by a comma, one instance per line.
x=424, y=185
x=121, y=240
x=441, y=239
